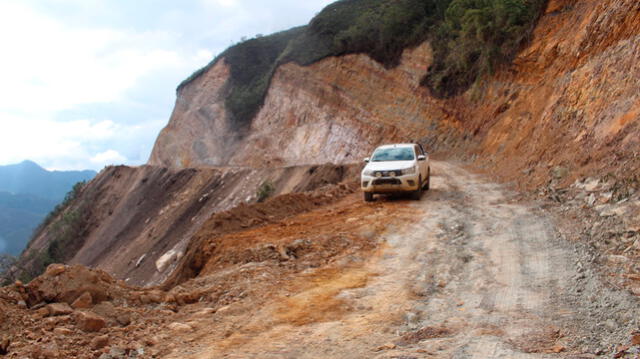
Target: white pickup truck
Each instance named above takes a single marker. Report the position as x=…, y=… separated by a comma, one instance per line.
x=396, y=168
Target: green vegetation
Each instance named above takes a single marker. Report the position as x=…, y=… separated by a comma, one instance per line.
x=471, y=38
x=475, y=37
x=380, y=28
x=68, y=199
x=6, y=262
x=252, y=65
x=265, y=191
x=66, y=224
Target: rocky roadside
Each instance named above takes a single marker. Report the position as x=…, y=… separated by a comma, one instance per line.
x=75, y=312
x=601, y=216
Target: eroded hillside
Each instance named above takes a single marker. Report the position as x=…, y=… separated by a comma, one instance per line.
x=136, y=223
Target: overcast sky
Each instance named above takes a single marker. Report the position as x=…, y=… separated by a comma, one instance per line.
x=88, y=83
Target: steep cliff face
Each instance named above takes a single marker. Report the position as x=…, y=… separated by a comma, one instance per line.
x=198, y=127
x=333, y=111
x=569, y=100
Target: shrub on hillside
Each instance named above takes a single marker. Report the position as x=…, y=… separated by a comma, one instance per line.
x=474, y=38
x=266, y=190
x=68, y=199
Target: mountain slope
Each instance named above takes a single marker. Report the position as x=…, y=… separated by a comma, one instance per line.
x=136, y=223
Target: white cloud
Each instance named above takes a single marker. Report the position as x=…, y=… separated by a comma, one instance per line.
x=109, y=157
x=226, y=3
x=50, y=142
x=47, y=66
x=68, y=84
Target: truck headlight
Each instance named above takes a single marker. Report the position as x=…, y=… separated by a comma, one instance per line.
x=368, y=172
x=409, y=171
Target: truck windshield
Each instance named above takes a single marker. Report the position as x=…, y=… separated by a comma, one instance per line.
x=393, y=154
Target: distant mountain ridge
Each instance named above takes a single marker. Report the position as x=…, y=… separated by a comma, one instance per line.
x=28, y=193
x=28, y=177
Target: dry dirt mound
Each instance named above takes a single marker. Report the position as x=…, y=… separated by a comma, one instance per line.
x=246, y=216
x=62, y=284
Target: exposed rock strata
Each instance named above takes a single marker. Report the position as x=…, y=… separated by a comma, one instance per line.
x=333, y=111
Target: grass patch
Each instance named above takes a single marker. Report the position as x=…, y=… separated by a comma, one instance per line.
x=471, y=38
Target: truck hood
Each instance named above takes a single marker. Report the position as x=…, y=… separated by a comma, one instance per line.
x=388, y=166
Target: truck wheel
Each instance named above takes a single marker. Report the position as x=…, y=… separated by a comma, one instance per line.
x=428, y=183
x=368, y=197
x=418, y=192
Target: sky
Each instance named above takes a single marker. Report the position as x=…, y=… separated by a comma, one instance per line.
x=90, y=83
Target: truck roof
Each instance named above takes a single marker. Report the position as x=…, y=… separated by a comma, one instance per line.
x=395, y=145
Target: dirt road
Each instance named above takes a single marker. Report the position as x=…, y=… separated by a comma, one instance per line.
x=475, y=275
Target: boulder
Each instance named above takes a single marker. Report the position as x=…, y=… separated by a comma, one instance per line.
x=42, y=312
x=106, y=310
x=123, y=319
x=62, y=332
x=66, y=284
x=90, y=322
x=84, y=301
x=156, y=296
x=49, y=351
x=56, y=309
x=100, y=342
x=55, y=269
x=180, y=327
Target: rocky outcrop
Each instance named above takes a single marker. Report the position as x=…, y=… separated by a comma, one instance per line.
x=571, y=99
x=333, y=111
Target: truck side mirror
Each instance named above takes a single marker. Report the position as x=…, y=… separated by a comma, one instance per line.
x=366, y=160
x=422, y=158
